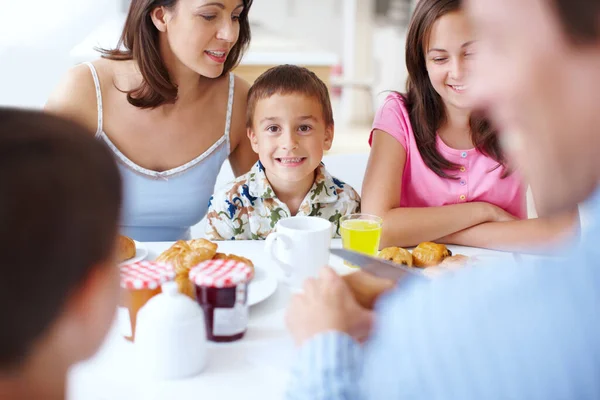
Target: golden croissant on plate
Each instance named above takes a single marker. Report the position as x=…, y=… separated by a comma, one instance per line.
x=198, y=244
x=184, y=255
x=397, y=255
x=429, y=254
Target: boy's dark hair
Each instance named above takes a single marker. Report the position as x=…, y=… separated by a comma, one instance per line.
x=580, y=19
x=288, y=79
x=60, y=196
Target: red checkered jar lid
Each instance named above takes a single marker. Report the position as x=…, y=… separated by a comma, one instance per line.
x=221, y=273
x=146, y=275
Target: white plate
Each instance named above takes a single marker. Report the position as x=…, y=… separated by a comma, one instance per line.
x=262, y=286
x=141, y=252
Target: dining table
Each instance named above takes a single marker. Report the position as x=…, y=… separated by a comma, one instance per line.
x=255, y=367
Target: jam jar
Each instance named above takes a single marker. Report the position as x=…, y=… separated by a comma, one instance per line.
x=222, y=292
x=139, y=283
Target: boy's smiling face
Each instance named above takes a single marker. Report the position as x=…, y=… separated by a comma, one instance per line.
x=290, y=136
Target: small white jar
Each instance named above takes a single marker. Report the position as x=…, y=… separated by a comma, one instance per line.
x=170, y=340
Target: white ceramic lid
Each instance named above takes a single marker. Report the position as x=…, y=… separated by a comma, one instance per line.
x=170, y=307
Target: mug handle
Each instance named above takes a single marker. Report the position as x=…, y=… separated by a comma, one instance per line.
x=286, y=242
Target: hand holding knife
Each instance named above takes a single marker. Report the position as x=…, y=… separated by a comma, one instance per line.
x=375, y=277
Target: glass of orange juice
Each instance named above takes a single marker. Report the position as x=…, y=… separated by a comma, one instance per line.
x=361, y=233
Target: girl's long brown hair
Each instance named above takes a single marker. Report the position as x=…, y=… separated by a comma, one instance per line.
x=425, y=106
x=139, y=42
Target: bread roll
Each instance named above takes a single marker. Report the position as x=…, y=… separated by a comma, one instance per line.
x=397, y=255
x=429, y=254
x=126, y=249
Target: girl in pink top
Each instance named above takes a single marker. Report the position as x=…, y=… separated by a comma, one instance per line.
x=436, y=171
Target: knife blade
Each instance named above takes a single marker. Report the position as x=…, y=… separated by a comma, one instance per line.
x=377, y=266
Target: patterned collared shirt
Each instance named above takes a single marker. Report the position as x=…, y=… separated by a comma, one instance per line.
x=248, y=209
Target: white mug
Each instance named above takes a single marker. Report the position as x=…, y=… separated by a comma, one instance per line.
x=300, y=246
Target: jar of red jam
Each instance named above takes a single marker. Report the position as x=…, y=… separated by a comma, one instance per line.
x=139, y=283
x=222, y=292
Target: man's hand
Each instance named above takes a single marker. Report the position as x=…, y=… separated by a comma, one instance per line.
x=367, y=288
x=327, y=304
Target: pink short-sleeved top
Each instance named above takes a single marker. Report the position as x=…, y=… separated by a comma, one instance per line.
x=421, y=187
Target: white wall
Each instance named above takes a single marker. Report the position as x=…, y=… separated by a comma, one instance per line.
x=35, y=39
x=37, y=35
x=318, y=22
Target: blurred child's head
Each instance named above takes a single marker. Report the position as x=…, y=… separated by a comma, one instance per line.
x=538, y=75
x=290, y=122
x=59, y=209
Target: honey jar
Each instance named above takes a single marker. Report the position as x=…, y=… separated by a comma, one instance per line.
x=139, y=283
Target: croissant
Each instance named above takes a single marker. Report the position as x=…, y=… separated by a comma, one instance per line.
x=184, y=255
x=185, y=286
x=198, y=244
x=428, y=254
x=397, y=255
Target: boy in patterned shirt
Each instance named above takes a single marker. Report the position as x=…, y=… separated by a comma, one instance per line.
x=290, y=125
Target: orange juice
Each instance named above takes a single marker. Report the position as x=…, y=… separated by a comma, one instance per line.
x=361, y=235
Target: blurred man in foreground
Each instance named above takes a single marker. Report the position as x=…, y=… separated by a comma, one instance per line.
x=525, y=331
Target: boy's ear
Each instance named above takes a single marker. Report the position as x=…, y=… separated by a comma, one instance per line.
x=253, y=139
x=328, y=137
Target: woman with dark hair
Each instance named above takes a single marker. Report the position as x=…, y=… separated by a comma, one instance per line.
x=436, y=171
x=167, y=104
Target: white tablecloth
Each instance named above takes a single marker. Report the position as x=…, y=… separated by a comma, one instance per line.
x=254, y=368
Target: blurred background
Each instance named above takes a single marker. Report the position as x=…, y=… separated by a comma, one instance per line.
x=355, y=46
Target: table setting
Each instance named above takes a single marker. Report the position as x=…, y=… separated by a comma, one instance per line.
x=171, y=354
